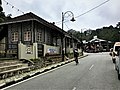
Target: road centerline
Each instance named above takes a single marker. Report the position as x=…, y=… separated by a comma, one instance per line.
x=91, y=67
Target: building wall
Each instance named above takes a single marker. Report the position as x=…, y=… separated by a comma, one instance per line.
x=27, y=51
x=39, y=29
x=2, y=44
x=26, y=27
x=51, y=49
x=38, y=34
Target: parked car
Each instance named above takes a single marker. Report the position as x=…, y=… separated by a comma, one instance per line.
x=117, y=64
x=116, y=57
x=114, y=51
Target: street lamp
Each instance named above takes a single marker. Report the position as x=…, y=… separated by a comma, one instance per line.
x=73, y=19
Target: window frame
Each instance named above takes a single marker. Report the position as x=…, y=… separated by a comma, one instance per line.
x=27, y=36
x=39, y=36
x=14, y=36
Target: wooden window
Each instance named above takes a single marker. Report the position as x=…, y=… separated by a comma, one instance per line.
x=48, y=37
x=15, y=37
x=27, y=36
x=39, y=36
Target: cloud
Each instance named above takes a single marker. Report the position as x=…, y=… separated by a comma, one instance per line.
x=110, y=13
x=28, y=1
x=51, y=11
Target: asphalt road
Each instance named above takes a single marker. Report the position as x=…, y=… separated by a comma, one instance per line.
x=94, y=72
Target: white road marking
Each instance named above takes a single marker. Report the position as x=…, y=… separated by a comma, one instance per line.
x=91, y=67
x=74, y=88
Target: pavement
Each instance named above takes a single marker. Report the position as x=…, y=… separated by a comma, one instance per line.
x=24, y=76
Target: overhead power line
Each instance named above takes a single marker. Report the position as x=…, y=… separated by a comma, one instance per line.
x=59, y=22
x=13, y=7
x=92, y=9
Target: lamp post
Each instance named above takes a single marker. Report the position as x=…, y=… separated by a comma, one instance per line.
x=63, y=17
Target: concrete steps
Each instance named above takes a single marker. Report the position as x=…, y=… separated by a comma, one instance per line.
x=9, y=68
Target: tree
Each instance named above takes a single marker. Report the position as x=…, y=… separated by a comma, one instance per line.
x=2, y=14
x=118, y=25
x=1, y=9
x=107, y=33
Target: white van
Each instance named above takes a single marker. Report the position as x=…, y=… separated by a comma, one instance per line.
x=114, y=51
x=116, y=57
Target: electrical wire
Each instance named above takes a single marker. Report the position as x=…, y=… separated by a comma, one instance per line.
x=92, y=9
x=67, y=26
x=59, y=22
x=13, y=7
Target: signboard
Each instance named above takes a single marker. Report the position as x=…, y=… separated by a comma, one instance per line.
x=51, y=50
x=29, y=50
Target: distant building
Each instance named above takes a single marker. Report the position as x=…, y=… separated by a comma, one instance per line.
x=97, y=45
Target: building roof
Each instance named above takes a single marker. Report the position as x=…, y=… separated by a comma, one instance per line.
x=32, y=17
x=25, y=17
x=95, y=39
x=29, y=17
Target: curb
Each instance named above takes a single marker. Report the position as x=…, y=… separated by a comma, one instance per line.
x=24, y=76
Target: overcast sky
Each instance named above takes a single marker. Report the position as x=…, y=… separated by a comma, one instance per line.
x=51, y=10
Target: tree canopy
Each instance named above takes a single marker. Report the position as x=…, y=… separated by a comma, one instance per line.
x=107, y=33
x=2, y=14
